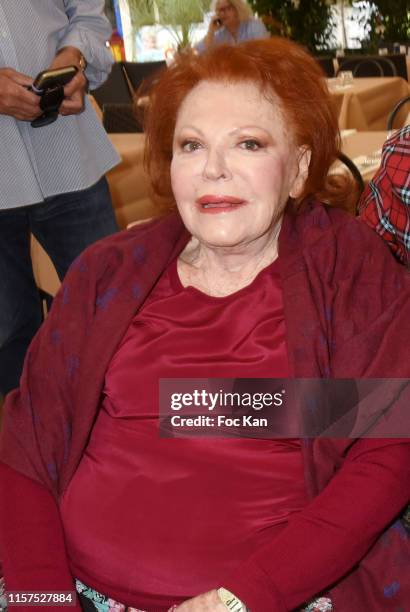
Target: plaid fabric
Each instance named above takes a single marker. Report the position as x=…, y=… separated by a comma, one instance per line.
x=385, y=203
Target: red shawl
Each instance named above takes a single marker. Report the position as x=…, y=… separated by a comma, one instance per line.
x=347, y=307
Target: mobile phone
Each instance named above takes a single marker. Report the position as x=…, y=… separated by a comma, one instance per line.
x=49, y=85
x=53, y=78
x=218, y=22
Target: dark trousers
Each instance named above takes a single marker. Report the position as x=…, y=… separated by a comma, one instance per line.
x=64, y=225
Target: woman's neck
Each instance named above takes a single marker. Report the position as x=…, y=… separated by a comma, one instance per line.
x=220, y=271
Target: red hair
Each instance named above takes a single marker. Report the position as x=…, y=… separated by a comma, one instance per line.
x=277, y=66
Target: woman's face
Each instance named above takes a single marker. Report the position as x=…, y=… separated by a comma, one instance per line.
x=227, y=13
x=234, y=164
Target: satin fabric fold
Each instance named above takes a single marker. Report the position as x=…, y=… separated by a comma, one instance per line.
x=182, y=513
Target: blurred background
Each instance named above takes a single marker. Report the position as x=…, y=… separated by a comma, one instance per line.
x=151, y=30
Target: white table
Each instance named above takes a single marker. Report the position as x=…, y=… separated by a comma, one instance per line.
x=366, y=104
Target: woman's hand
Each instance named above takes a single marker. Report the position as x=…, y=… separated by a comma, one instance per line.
x=207, y=602
x=214, y=26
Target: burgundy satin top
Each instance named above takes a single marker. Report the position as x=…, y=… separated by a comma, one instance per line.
x=159, y=520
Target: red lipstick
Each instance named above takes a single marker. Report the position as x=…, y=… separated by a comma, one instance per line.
x=218, y=203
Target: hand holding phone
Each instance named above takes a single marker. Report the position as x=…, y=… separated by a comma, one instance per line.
x=48, y=79
x=49, y=85
x=215, y=24
x=74, y=95
x=15, y=99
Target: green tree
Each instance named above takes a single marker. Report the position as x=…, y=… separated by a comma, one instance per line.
x=309, y=22
x=391, y=19
x=177, y=15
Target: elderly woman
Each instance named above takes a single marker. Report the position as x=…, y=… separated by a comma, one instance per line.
x=251, y=277
x=233, y=22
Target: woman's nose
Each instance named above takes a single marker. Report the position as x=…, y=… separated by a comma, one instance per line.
x=216, y=166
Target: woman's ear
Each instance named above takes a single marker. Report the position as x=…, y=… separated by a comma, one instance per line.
x=303, y=160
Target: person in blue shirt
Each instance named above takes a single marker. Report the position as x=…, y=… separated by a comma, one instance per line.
x=233, y=22
x=52, y=178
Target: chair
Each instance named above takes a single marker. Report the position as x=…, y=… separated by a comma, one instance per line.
x=115, y=90
x=400, y=63
x=368, y=66
x=394, y=112
x=116, y=95
x=353, y=169
x=120, y=118
x=45, y=275
x=389, y=69
x=123, y=80
x=137, y=72
x=327, y=65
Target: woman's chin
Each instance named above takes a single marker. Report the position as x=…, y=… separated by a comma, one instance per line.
x=221, y=240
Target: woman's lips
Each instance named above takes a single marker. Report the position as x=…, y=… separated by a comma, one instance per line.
x=218, y=203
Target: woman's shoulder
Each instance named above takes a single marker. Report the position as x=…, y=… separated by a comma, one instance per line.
x=335, y=243
x=351, y=234
x=318, y=223
x=146, y=235
x=122, y=261
x=255, y=28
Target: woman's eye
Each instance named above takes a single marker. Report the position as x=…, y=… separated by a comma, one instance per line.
x=190, y=145
x=250, y=144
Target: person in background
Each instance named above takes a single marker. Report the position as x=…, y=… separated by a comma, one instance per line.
x=385, y=203
x=232, y=23
x=52, y=177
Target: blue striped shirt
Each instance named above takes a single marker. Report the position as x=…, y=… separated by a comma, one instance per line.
x=74, y=152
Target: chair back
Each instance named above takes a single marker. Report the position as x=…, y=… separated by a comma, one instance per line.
x=396, y=109
x=400, y=63
x=373, y=65
x=125, y=78
x=120, y=118
x=349, y=163
x=138, y=72
x=327, y=65
x=389, y=69
x=115, y=89
x=368, y=68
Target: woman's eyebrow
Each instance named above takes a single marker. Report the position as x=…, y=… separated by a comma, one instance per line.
x=190, y=127
x=243, y=128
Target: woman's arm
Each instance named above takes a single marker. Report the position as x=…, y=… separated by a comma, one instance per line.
x=208, y=40
x=324, y=541
x=31, y=538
